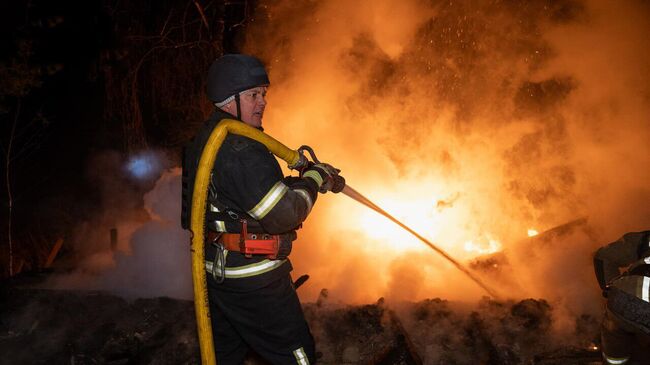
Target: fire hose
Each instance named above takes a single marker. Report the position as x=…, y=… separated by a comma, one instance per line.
x=295, y=159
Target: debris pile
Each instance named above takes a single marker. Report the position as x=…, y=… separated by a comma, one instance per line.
x=435, y=331
x=74, y=327
x=99, y=328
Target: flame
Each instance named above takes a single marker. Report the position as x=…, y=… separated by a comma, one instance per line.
x=455, y=133
x=417, y=205
x=421, y=217
x=483, y=248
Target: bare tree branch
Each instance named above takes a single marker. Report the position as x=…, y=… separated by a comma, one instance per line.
x=162, y=31
x=8, y=182
x=200, y=9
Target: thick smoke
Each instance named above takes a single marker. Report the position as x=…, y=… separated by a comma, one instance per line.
x=473, y=122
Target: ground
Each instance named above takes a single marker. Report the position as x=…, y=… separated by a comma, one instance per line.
x=40, y=326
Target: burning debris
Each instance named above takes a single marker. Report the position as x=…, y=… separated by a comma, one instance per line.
x=94, y=327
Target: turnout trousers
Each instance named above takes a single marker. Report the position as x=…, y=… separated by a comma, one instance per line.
x=268, y=320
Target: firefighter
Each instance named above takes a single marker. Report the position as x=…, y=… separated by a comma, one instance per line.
x=253, y=304
x=625, y=332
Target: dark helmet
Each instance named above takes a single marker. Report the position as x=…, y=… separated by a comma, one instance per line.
x=233, y=73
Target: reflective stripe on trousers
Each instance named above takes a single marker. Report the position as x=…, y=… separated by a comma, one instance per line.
x=301, y=357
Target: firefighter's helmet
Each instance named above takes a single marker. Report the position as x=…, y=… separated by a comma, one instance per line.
x=233, y=73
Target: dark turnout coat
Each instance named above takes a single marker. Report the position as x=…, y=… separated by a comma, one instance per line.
x=247, y=182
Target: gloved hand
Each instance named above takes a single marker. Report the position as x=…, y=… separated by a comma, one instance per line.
x=331, y=180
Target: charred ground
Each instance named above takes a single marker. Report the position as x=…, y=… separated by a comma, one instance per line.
x=40, y=326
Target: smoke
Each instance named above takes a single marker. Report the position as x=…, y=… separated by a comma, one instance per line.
x=151, y=257
x=159, y=261
x=472, y=122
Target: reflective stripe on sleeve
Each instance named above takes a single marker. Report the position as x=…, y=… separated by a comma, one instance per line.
x=269, y=201
x=305, y=195
x=301, y=357
x=615, y=360
x=314, y=175
x=247, y=270
x=645, y=289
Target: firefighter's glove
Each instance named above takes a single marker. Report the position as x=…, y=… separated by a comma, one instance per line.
x=327, y=177
x=336, y=183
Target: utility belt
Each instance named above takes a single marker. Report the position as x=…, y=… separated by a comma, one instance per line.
x=272, y=246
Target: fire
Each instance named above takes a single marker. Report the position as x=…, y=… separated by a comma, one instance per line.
x=483, y=248
x=420, y=217
x=462, y=136
x=420, y=210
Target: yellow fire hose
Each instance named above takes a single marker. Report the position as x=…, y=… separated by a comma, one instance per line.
x=199, y=201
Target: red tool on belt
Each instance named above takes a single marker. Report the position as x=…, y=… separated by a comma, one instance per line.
x=272, y=246
x=252, y=244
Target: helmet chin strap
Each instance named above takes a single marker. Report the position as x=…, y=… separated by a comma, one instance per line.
x=238, y=106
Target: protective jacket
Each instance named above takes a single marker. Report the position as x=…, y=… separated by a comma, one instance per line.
x=632, y=251
x=247, y=183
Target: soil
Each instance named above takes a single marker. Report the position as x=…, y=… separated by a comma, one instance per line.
x=39, y=326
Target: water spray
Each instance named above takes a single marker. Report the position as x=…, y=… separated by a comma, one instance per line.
x=347, y=190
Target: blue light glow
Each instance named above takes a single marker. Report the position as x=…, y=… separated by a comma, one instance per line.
x=144, y=165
